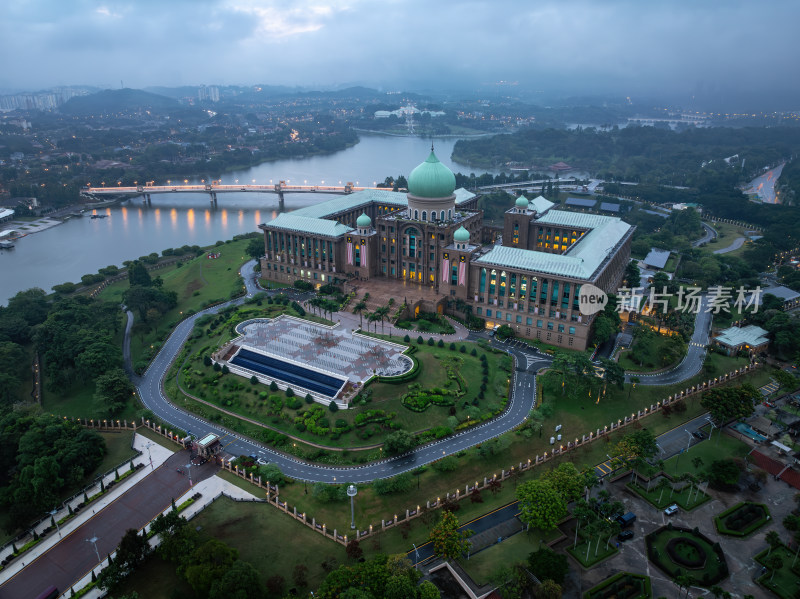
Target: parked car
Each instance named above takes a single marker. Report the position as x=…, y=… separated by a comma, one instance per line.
x=626, y=520
x=262, y=461
x=625, y=535
x=671, y=510
x=699, y=434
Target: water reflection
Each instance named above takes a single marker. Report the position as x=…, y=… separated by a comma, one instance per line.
x=190, y=219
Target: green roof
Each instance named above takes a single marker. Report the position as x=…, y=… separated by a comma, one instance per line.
x=750, y=335
x=290, y=221
x=363, y=221
x=431, y=179
x=581, y=261
x=522, y=202
x=541, y=204
x=461, y=235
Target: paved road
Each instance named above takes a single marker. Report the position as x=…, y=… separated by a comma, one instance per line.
x=709, y=234
x=152, y=396
x=693, y=361
x=523, y=393
x=74, y=556
x=737, y=243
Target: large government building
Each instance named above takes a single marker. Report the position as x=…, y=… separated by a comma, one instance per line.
x=433, y=236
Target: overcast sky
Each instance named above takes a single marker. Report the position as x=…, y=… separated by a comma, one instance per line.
x=627, y=47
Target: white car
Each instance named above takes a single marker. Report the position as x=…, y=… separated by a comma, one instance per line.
x=673, y=509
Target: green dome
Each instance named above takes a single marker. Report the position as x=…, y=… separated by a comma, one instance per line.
x=522, y=202
x=363, y=221
x=461, y=235
x=431, y=179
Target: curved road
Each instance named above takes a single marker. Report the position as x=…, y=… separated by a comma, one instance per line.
x=152, y=396
x=528, y=360
x=709, y=234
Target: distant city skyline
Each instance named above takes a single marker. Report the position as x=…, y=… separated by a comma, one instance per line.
x=573, y=47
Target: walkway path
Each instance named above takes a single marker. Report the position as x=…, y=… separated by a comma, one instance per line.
x=61, y=560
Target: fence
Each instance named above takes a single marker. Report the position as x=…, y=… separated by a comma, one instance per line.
x=273, y=492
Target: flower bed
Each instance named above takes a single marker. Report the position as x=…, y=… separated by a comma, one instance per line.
x=742, y=519
x=621, y=586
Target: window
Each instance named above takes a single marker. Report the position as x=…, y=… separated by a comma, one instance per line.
x=539, y=324
x=561, y=328
x=479, y=310
x=416, y=214
x=529, y=321
x=508, y=317
x=570, y=340
x=549, y=328
x=519, y=319
x=441, y=215
x=488, y=312
x=425, y=215
x=571, y=332
x=499, y=314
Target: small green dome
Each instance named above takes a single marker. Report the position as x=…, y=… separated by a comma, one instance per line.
x=431, y=179
x=363, y=221
x=461, y=235
x=522, y=202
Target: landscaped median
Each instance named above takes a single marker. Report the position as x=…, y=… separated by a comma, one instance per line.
x=660, y=495
x=682, y=552
x=742, y=519
x=781, y=571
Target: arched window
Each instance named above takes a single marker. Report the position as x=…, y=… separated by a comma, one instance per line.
x=416, y=214
x=433, y=216
x=425, y=215
x=441, y=216
x=450, y=214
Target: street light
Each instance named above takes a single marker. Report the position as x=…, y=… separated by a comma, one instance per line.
x=351, y=493
x=93, y=541
x=53, y=514
x=189, y=469
x=689, y=444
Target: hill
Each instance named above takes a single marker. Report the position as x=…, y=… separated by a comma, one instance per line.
x=120, y=102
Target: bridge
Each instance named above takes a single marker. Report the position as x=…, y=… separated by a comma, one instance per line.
x=212, y=189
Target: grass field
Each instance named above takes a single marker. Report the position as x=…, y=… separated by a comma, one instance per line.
x=273, y=542
x=197, y=282
x=482, y=565
x=119, y=450
x=650, y=353
x=156, y=579
x=590, y=548
x=687, y=498
x=78, y=401
x=716, y=448
x=784, y=581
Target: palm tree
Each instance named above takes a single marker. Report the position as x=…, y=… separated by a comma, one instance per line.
x=697, y=462
x=774, y=563
x=583, y=514
x=382, y=313
x=359, y=309
x=773, y=539
x=717, y=591
x=663, y=483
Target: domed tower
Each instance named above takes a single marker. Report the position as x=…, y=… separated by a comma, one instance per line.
x=430, y=191
x=522, y=204
x=364, y=224
x=461, y=238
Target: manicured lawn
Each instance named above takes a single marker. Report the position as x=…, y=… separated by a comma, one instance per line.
x=742, y=519
x=650, y=354
x=197, y=282
x=595, y=554
x=677, y=551
x=78, y=401
x=156, y=579
x=785, y=581
x=717, y=447
x=622, y=581
x=482, y=565
x=273, y=542
x=687, y=498
x=119, y=450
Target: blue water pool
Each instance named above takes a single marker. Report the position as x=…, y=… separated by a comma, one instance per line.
x=747, y=430
x=291, y=374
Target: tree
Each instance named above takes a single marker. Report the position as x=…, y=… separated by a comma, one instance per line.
x=729, y=403
x=300, y=575
x=449, y=542
x=632, y=275
x=540, y=504
x=255, y=248
x=613, y=373
x=723, y=474
x=584, y=515
x=774, y=563
x=567, y=480
x=546, y=564
x=353, y=549
x=428, y=590
x=663, y=483
x=773, y=539
x=399, y=442
x=549, y=589
x=138, y=275
x=240, y=581
x=114, y=390
x=641, y=443
x=132, y=550
x=208, y=563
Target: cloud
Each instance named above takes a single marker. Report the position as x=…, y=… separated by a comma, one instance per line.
x=615, y=45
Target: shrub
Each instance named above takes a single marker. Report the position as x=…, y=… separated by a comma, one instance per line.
x=440, y=343
x=452, y=346
x=431, y=342
x=289, y=392
x=309, y=399
x=463, y=349
x=407, y=339
x=420, y=340
x=333, y=407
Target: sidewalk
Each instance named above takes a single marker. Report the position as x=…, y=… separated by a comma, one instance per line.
x=210, y=489
x=149, y=450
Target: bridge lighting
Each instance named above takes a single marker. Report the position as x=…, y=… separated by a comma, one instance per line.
x=186, y=180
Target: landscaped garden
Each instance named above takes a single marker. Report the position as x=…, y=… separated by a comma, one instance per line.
x=452, y=386
x=683, y=552
x=742, y=519
x=590, y=551
x=782, y=575
x=624, y=585
x=688, y=497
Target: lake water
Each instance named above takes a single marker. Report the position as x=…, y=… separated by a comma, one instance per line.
x=83, y=245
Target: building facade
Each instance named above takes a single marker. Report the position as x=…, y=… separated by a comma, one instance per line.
x=432, y=236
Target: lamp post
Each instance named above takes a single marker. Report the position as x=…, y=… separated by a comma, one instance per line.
x=93, y=541
x=53, y=514
x=351, y=493
x=689, y=444
x=189, y=470
x=149, y=443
